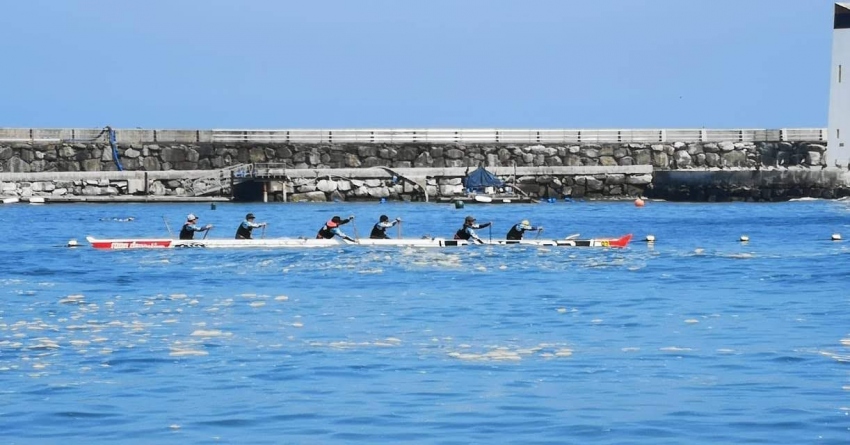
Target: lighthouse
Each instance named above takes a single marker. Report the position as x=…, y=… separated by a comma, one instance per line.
x=838, y=148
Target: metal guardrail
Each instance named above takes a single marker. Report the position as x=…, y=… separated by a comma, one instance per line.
x=518, y=136
x=436, y=136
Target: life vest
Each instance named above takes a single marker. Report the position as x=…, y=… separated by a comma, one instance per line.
x=325, y=232
x=378, y=232
x=514, y=233
x=187, y=232
x=243, y=232
x=463, y=233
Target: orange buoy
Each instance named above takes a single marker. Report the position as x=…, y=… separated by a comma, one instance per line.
x=639, y=202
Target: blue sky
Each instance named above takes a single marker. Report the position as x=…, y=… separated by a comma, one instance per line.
x=415, y=64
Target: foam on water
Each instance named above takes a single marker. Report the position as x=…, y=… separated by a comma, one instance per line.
x=695, y=339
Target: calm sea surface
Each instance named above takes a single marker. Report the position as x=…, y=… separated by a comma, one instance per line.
x=698, y=338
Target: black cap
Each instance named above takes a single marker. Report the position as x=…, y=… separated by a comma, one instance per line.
x=336, y=219
x=385, y=218
x=249, y=216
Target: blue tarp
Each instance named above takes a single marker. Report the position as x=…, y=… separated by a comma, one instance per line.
x=481, y=178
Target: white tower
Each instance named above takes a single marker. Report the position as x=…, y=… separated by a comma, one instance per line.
x=838, y=149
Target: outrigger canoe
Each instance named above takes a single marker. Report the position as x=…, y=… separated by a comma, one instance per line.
x=274, y=243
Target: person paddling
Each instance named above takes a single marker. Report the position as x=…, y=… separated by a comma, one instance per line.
x=331, y=229
x=190, y=227
x=518, y=230
x=467, y=232
x=247, y=226
x=379, y=231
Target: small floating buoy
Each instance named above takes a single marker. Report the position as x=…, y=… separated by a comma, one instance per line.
x=744, y=238
x=650, y=238
x=836, y=237
x=72, y=243
x=383, y=200
x=639, y=202
x=458, y=204
x=212, y=206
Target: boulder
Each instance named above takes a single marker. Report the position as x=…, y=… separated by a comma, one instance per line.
x=813, y=158
x=660, y=160
x=639, y=179
x=352, y=160
x=326, y=185
x=682, y=159
x=315, y=196
x=17, y=165
x=423, y=160
x=454, y=153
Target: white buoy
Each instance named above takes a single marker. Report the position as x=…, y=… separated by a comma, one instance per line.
x=744, y=238
x=836, y=237
x=650, y=238
x=72, y=243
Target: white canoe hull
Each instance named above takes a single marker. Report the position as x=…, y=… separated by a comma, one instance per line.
x=276, y=243
x=270, y=243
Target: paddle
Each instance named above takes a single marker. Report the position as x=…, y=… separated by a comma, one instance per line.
x=170, y=233
x=263, y=234
x=399, y=230
x=354, y=225
x=207, y=232
x=538, y=233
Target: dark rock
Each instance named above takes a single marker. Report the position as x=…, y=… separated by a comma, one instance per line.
x=17, y=165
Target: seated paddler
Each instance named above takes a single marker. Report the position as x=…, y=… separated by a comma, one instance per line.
x=245, y=229
x=467, y=232
x=191, y=226
x=331, y=229
x=518, y=230
x=379, y=230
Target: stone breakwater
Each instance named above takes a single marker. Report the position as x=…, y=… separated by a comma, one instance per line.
x=69, y=157
x=319, y=185
x=312, y=172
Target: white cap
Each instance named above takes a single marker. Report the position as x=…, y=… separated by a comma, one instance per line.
x=191, y=217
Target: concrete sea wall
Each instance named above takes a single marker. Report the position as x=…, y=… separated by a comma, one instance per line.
x=66, y=157
x=194, y=165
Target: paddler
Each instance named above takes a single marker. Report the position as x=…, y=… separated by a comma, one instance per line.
x=247, y=226
x=518, y=230
x=467, y=232
x=190, y=227
x=331, y=229
x=379, y=231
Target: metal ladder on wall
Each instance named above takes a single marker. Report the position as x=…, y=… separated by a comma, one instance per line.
x=218, y=180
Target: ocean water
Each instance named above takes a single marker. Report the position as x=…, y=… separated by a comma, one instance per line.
x=696, y=338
